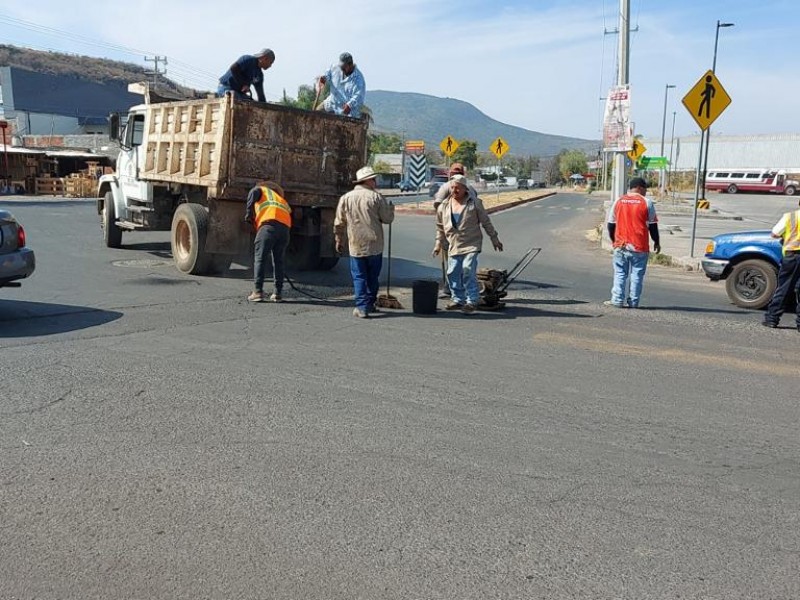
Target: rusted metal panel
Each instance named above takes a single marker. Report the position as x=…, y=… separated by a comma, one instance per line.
x=228, y=146
x=313, y=155
x=227, y=231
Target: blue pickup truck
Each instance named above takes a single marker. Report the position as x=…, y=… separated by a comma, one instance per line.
x=748, y=261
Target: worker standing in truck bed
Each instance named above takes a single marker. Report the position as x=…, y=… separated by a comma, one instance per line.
x=247, y=71
x=347, y=88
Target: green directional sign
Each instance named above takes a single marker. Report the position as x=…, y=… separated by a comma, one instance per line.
x=653, y=162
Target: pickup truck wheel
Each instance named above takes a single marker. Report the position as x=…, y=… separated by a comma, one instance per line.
x=112, y=235
x=751, y=283
x=790, y=190
x=732, y=189
x=189, y=228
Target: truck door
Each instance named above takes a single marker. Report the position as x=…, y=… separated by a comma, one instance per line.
x=130, y=160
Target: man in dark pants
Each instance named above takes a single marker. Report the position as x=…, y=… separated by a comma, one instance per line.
x=246, y=72
x=271, y=217
x=787, y=228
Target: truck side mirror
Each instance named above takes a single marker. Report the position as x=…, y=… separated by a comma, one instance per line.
x=113, y=126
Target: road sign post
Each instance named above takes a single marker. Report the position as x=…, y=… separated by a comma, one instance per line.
x=499, y=147
x=706, y=101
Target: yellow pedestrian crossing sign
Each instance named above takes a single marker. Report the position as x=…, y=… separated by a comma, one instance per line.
x=706, y=100
x=638, y=150
x=449, y=145
x=499, y=147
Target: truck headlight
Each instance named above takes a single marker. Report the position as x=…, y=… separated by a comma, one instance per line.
x=710, y=247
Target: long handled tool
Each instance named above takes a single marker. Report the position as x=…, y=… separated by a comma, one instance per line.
x=387, y=300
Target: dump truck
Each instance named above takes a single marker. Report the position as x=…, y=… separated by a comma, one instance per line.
x=186, y=166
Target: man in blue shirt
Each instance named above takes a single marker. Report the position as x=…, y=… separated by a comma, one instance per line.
x=347, y=88
x=246, y=72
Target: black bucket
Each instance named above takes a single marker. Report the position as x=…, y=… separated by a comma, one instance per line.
x=425, y=296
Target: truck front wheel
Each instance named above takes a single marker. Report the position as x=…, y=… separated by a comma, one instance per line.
x=751, y=283
x=189, y=228
x=790, y=190
x=112, y=235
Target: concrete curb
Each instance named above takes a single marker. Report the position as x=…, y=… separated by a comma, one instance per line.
x=491, y=210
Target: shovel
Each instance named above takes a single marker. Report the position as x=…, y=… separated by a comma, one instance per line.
x=387, y=300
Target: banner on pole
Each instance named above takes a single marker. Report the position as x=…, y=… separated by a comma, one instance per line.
x=617, y=127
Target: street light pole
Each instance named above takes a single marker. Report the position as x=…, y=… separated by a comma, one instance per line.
x=671, y=147
x=708, y=130
x=663, y=133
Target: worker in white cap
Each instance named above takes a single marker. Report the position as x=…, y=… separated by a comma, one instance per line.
x=247, y=71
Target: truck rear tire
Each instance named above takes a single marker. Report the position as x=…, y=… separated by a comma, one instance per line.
x=188, y=237
x=751, y=283
x=790, y=190
x=303, y=253
x=326, y=263
x=112, y=235
x=732, y=189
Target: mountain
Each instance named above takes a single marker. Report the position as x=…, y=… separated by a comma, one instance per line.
x=428, y=118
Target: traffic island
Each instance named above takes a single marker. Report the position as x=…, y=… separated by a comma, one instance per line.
x=492, y=201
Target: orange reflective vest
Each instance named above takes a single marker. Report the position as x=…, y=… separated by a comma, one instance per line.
x=791, y=233
x=272, y=207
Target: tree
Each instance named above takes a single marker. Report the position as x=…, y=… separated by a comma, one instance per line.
x=382, y=167
x=467, y=154
x=305, y=98
x=552, y=168
x=384, y=143
x=572, y=162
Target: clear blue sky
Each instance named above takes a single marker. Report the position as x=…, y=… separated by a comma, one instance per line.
x=542, y=65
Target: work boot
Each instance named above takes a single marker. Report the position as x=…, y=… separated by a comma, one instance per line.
x=454, y=306
x=468, y=309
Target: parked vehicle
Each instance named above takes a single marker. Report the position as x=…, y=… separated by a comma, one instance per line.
x=522, y=184
x=17, y=261
x=436, y=183
x=405, y=185
x=764, y=181
x=187, y=166
x=748, y=261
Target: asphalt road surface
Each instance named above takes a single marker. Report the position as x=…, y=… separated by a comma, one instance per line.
x=162, y=438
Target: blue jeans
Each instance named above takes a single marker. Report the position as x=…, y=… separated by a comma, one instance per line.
x=462, y=271
x=365, y=271
x=788, y=283
x=628, y=265
x=222, y=89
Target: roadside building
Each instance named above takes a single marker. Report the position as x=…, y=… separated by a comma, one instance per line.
x=43, y=104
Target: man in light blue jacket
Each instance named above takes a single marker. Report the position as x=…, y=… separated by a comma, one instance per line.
x=347, y=88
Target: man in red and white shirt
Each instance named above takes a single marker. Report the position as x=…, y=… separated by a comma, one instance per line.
x=632, y=221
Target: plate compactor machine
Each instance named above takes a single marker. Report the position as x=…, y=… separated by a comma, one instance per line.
x=493, y=283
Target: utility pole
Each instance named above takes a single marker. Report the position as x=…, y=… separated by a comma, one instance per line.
x=623, y=75
x=662, y=173
x=671, y=146
x=155, y=72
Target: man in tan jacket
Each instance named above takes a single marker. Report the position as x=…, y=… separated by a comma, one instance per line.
x=361, y=214
x=458, y=222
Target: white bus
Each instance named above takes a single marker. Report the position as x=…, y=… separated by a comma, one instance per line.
x=765, y=181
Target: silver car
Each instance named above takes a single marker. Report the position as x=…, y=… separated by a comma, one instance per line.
x=16, y=261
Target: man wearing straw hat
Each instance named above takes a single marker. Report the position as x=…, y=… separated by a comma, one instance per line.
x=247, y=72
x=361, y=215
